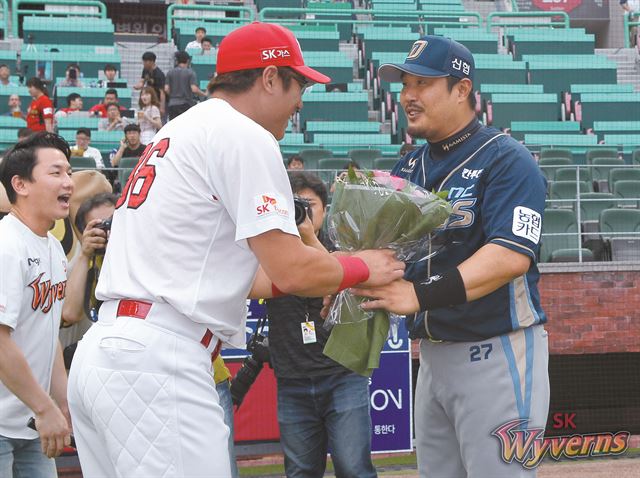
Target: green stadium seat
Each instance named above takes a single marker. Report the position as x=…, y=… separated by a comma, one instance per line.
x=578, y=89
x=623, y=174
x=600, y=171
x=615, y=222
x=486, y=89
x=313, y=127
x=558, y=72
x=616, y=127
x=362, y=156
x=577, y=143
x=572, y=255
x=92, y=96
x=550, y=41
x=385, y=164
x=556, y=153
x=475, y=39
x=591, y=204
x=350, y=106
x=532, y=107
x=520, y=128
x=592, y=154
x=74, y=122
x=627, y=142
x=48, y=30
x=8, y=137
x=567, y=191
x=334, y=164
x=11, y=122
x=125, y=167
x=559, y=232
x=499, y=69
x=311, y=156
x=571, y=174
x=78, y=163
x=9, y=58
x=609, y=107
x=627, y=189
x=549, y=165
x=635, y=157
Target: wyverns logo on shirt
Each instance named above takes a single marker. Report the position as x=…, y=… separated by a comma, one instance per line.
x=269, y=204
x=275, y=54
x=45, y=294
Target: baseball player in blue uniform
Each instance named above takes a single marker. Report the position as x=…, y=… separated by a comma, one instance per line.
x=483, y=353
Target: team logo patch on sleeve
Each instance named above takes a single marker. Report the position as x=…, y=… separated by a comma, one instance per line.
x=268, y=204
x=527, y=223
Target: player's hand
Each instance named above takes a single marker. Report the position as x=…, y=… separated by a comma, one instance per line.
x=327, y=302
x=93, y=238
x=383, y=266
x=54, y=431
x=398, y=297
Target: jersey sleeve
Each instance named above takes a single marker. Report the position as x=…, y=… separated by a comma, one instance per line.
x=46, y=107
x=253, y=185
x=513, y=201
x=11, y=285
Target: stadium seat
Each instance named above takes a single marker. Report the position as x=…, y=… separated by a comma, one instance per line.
x=591, y=205
x=621, y=228
x=572, y=255
x=334, y=164
x=548, y=41
x=635, y=157
x=311, y=157
x=385, y=164
x=362, y=156
x=549, y=165
x=563, y=223
x=623, y=174
x=525, y=107
x=591, y=154
x=78, y=163
x=567, y=190
x=556, y=153
x=600, y=171
x=558, y=72
x=572, y=174
x=125, y=167
x=608, y=107
x=520, y=128
x=627, y=189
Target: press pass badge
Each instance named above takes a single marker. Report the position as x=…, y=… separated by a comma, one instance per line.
x=308, y=332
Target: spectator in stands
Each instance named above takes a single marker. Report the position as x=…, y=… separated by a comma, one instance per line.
x=149, y=114
x=110, y=97
x=295, y=162
x=632, y=8
x=181, y=86
x=24, y=133
x=114, y=120
x=152, y=76
x=72, y=77
x=74, y=104
x=83, y=149
x=201, y=32
x=207, y=46
x=40, y=114
x=15, y=107
x=130, y=145
x=320, y=403
x=5, y=74
x=110, y=74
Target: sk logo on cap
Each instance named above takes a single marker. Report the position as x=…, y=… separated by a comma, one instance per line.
x=417, y=48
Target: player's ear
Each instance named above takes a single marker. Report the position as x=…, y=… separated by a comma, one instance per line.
x=269, y=78
x=20, y=185
x=465, y=88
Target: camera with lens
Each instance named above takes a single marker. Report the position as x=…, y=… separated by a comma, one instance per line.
x=105, y=225
x=258, y=347
x=302, y=208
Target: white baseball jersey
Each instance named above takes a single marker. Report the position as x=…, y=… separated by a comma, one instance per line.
x=211, y=179
x=33, y=280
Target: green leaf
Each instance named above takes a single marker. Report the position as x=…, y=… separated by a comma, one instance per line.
x=351, y=174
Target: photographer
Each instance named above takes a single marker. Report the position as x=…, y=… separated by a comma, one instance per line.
x=72, y=77
x=320, y=403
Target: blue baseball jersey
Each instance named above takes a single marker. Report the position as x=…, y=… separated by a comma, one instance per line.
x=497, y=192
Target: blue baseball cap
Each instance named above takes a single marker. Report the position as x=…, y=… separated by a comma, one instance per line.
x=432, y=56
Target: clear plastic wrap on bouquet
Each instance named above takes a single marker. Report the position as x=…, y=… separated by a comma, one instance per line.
x=375, y=210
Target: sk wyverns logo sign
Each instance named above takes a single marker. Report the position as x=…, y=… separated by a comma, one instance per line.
x=417, y=48
x=268, y=204
x=275, y=54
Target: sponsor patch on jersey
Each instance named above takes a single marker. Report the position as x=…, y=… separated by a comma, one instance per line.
x=527, y=223
x=268, y=204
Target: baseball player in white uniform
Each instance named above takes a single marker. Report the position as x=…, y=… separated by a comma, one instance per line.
x=205, y=220
x=33, y=381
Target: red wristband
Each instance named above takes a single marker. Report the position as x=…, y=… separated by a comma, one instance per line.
x=275, y=292
x=354, y=270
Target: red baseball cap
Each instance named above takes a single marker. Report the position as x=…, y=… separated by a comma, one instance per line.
x=259, y=45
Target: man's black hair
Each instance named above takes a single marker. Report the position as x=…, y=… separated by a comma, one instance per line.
x=102, y=199
x=148, y=56
x=295, y=157
x=182, y=57
x=131, y=127
x=85, y=131
x=201, y=29
x=22, y=157
x=111, y=91
x=305, y=180
x=109, y=66
x=72, y=97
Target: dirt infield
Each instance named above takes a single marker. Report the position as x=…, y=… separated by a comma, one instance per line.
x=598, y=468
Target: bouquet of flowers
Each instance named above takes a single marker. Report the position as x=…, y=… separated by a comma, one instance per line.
x=375, y=210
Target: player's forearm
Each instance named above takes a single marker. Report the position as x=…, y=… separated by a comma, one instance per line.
x=73, y=307
x=17, y=376
x=59, y=381
x=491, y=267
